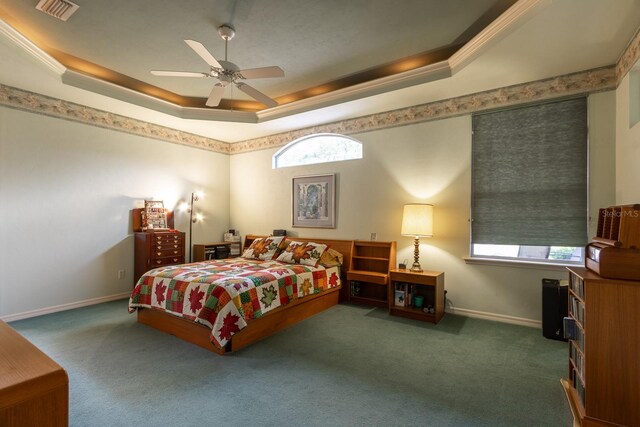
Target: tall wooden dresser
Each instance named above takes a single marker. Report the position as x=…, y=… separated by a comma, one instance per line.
x=157, y=249
x=603, y=386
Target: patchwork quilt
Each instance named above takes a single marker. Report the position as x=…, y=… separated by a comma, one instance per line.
x=227, y=294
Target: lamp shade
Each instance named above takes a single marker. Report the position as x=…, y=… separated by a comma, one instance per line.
x=417, y=220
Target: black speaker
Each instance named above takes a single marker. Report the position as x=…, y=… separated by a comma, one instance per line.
x=554, y=308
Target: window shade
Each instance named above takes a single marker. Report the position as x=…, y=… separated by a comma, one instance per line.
x=529, y=175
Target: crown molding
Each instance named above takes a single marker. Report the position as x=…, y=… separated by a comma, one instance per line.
x=29, y=47
x=498, y=29
x=111, y=90
x=428, y=73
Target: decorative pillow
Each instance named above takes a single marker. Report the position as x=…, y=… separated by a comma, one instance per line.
x=305, y=253
x=263, y=248
x=331, y=258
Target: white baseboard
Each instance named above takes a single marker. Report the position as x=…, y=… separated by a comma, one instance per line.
x=495, y=317
x=63, y=307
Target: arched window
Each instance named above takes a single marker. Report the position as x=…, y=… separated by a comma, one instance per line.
x=317, y=148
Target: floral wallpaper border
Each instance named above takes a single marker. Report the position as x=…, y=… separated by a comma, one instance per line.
x=46, y=105
x=596, y=80
x=629, y=57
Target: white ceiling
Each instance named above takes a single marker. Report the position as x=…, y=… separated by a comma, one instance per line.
x=315, y=43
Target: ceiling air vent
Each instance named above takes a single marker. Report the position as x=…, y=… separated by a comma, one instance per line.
x=61, y=9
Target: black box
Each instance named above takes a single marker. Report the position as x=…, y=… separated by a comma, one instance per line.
x=554, y=308
x=222, y=251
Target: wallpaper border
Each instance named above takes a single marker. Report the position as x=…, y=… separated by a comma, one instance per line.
x=629, y=57
x=45, y=105
x=597, y=80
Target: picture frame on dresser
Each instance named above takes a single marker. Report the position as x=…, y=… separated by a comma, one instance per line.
x=314, y=201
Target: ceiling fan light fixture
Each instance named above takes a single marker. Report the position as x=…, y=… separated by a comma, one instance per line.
x=227, y=73
x=226, y=32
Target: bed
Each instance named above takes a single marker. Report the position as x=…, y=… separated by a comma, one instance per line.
x=225, y=305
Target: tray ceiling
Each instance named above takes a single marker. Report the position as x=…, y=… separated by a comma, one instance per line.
x=323, y=46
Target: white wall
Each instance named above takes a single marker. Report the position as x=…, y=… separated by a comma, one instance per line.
x=428, y=162
x=627, y=148
x=66, y=191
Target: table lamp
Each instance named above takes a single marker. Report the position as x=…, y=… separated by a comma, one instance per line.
x=417, y=221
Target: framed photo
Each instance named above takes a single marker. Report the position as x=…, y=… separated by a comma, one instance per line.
x=154, y=216
x=314, y=201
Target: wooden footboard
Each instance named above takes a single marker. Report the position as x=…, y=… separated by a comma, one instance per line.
x=274, y=321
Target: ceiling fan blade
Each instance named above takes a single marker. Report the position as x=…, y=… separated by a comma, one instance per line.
x=178, y=73
x=262, y=73
x=203, y=53
x=215, y=96
x=256, y=94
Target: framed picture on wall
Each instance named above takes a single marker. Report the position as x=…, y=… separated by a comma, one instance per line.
x=314, y=201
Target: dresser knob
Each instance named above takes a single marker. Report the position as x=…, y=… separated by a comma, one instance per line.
x=158, y=262
x=175, y=260
x=159, y=253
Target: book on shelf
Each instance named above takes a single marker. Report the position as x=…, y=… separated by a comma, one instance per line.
x=403, y=295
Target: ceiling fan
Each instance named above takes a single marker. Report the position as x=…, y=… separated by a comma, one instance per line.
x=227, y=72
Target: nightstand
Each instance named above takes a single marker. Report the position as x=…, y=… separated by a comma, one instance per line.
x=428, y=284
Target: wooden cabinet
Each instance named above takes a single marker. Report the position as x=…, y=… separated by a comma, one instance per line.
x=157, y=249
x=217, y=250
x=603, y=386
x=34, y=390
x=427, y=284
x=368, y=274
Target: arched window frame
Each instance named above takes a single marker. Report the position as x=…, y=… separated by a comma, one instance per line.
x=283, y=150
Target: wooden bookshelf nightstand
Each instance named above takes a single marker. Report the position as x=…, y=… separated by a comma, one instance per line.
x=368, y=275
x=427, y=284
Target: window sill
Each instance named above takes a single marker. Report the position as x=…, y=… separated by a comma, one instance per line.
x=537, y=265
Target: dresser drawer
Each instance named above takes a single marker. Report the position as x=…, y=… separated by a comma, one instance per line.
x=166, y=238
x=155, y=247
x=162, y=252
x=158, y=262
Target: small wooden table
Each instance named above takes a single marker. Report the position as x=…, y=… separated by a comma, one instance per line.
x=34, y=390
x=428, y=284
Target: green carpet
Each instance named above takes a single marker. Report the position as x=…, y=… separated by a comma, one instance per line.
x=348, y=366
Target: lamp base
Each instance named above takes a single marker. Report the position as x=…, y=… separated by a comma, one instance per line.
x=415, y=268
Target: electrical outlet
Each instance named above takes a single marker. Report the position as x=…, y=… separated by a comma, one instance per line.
x=374, y=236
x=121, y=274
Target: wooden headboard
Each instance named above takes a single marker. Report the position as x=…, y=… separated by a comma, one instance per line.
x=342, y=246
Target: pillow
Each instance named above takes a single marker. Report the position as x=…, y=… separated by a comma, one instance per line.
x=331, y=258
x=304, y=253
x=263, y=248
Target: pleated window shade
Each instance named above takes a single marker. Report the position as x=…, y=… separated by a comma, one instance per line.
x=529, y=175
